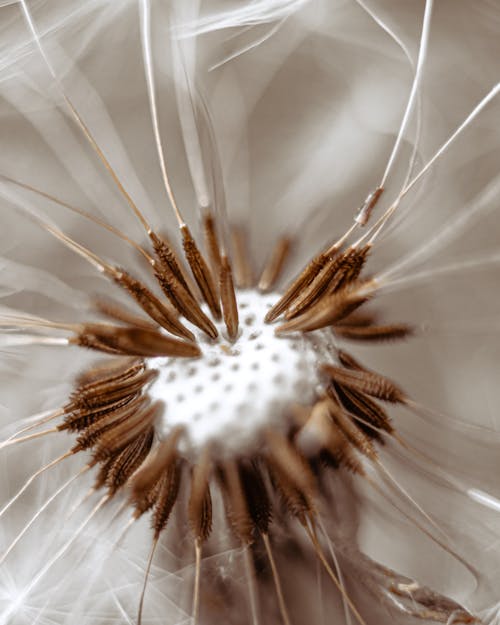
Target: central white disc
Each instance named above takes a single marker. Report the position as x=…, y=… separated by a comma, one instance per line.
x=235, y=390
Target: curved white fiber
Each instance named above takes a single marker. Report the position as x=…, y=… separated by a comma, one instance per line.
x=145, y=15
x=184, y=65
x=251, y=14
x=44, y=570
x=412, y=98
x=418, y=103
x=39, y=512
x=444, y=147
x=449, y=232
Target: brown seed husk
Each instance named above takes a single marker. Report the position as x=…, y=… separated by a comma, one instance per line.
x=275, y=264
x=201, y=272
x=228, y=299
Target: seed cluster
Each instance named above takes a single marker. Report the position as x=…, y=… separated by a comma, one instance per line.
x=118, y=416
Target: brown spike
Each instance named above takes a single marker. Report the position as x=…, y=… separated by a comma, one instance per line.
x=167, y=258
x=167, y=496
x=355, y=435
x=184, y=302
x=228, y=299
x=201, y=272
x=292, y=475
x=256, y=495
x=288, y=459
x=92, y=434
x=145, y=500
x=84, y=417
x=200, y=501
x=129, y=460
x=102, y=474
x=134, y=341
x=243, y=273
x=366, y=409
x=297, y=286
x=368, y=382
x=275, y=264
x=327, y=311
x=212, y=243
x=295, y=501
x=321, y=283
x=393, y=332
x=348, y=361
x=104, y=395
x=236, y=504
x=351, y=268
x=108, y=372
x=340, y=271
x=118, y=312
x=123, y=434
x=156, y=463
x=151, y=305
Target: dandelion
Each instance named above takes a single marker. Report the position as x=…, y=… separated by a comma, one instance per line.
x=248, y=257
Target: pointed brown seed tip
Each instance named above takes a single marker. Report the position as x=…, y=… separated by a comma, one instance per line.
x=212, y=243
x=151, y=305
x=243, y=272
x=99, y=396
x=126, y=432
x=236, y=504
x=135, y=342
x=365, y=211
x=115, y=471
x=185, y=303
x=256, y=495
x=372, y=333
x=94, y=432
x=368, y=410
x=297, y=287
x=228, y=299
x=275, y=264
x=352, y=432
x=329, y=310
x=156, y=463
x=321, y=283
x=167, y=258
x=108, y=371
x=297, y=503
x=201, y=272
x=82, y=417
x=288, y=460
x=368, y=382
x=349, y=361
x=146, y=499
x=200, y=501
x=167, y=496
x=350, y=269
x=129, y=460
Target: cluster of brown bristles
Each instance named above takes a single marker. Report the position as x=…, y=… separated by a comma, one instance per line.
x=114, y=419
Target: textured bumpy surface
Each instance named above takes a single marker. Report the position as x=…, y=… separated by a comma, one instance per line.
x=236, y=390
